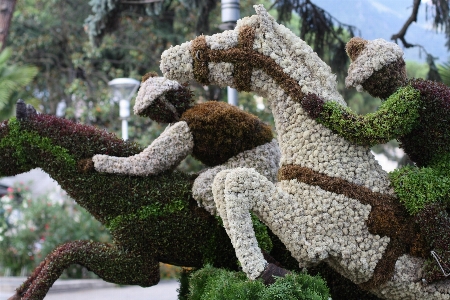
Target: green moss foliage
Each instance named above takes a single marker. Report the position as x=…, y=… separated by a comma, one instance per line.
x=397, y=116
x=418, y=186
x=9, y=165
x=428, y=145
x=19, y=139
x=149, y=211
x=262, y=234
x=221, y=131
x=215, y=284
x=183, y=291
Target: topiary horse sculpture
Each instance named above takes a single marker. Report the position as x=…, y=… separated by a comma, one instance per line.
x=333, y=202
x=152, y=219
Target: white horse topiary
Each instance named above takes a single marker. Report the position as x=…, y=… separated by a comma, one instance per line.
x=333, y=201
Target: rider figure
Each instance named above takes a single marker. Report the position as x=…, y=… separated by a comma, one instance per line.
x=218, y=134
x=416, y=112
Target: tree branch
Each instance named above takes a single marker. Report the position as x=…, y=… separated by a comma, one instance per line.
x=6, y=13
x=413, y=18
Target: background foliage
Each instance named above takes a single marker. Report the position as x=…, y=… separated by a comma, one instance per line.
x=31, y=228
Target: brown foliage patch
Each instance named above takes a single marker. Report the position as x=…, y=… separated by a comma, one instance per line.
x=355, y=46
x=148, y=75
x=85, y=165
x=222, y=131
x=199, y=54
x=387, y=80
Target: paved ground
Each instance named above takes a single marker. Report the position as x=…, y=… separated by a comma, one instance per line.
x=165, y=290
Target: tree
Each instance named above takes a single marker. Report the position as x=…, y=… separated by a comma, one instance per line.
x=6, y=12
x=48, y=34
x=52, y=35
x=13, y=79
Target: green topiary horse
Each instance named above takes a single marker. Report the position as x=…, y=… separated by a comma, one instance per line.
x=152, y=219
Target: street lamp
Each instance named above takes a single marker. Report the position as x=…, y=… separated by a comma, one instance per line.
x=122, y=90
x=230, y=14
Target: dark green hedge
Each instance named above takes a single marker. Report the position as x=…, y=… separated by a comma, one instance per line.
x=216, y=284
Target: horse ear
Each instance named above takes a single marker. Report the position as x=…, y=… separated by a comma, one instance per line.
x=21, y=110
x=31, y=111
x=266, y=20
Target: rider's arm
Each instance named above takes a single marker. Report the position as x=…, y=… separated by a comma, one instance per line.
x=166, y=152
x=396, y=117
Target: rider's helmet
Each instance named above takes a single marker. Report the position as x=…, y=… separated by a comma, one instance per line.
x=377, y=67
x=162, y=100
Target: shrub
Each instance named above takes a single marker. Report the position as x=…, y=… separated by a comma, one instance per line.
x=216, y=284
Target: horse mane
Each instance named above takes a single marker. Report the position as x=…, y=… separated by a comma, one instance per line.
x=310, y=71
x=82, y=141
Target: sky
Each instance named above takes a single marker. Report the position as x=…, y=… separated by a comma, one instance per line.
x=383, y=18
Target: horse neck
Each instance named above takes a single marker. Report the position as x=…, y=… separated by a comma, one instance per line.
x=284, y=69
x=306, y=143
x=289, y=60
x=57, y=146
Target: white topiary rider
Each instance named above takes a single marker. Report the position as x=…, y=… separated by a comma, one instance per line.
x=216, y=133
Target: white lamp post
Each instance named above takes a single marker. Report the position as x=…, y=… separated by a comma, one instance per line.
x=230, y=14
x=122, y=90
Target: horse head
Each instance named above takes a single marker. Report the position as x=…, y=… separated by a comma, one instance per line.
x=32, y=140
x=10, y=165
x=14, y=161
x=258, y=46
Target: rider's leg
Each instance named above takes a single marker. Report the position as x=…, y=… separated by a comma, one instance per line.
x=434, y=223
x=236, y=193
x=264, y=159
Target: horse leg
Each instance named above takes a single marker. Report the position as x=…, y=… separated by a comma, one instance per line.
x=236, y=193
x=105, y=260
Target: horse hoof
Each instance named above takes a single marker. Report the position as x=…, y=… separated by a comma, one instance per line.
x=272, y=271
x=15, y=297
